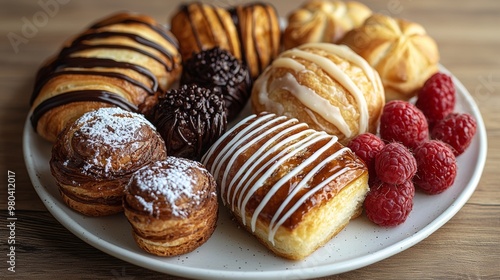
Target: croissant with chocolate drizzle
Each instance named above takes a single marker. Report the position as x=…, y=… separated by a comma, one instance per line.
x=125, y=60
x=250, y=32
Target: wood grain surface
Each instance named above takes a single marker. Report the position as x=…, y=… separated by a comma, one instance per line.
x=467, y=247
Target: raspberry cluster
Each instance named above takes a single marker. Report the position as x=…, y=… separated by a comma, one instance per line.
x=417, y=148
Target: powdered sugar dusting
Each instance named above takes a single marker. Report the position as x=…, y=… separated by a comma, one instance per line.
x=110, y=127
x=169, y=181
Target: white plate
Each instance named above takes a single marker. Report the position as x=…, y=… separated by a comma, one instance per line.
x=232, y=253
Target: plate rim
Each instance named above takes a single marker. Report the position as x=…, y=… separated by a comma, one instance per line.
x=316, y=271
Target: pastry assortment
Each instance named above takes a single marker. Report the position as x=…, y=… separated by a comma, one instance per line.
x=94, y=157
x=293, y=187
x=128, y=138
x=172, y=206
x=325, y=85
x=125, y=60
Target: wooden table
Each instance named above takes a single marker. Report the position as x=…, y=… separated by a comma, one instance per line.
x=467, y=247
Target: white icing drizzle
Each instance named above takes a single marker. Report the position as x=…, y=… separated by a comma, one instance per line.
x=247, y=133
x=288, y=62
x=253, y=140
x=258, y=158
x=276, y=162
x=212, y=149
x=312, y=101
x=261, y=85
x=273, y=225
x=310, y=98
x=348, y=54
x=340, y=76
x=289, y=176
x=282, y=142
x=258, y=154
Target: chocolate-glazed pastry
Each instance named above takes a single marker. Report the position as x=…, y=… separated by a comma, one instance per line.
x=250, y=31
x=260, y=34
x=200, y=26
x=190, y=119
x=218, y=68
x=125, y=60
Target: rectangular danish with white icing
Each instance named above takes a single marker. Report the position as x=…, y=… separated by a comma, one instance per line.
x=294, y=188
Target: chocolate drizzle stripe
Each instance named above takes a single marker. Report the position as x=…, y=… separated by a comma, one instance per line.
x=236, y=20
x=156, y=28
x=207, y=21
x=226, y=31
x=78, y=96
x=254, y=39
x=98, y=73
x=44, y=74
x=134, y=37
x=185, y=10
x=82, y=47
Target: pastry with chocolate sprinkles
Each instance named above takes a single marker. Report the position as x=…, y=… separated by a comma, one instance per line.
x=218, y=68
x=190, y=119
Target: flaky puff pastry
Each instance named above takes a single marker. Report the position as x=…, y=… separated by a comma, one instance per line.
x=294, y=188
x=251, y=32
x=125, y=60
x=95, y=156
x=323, y=21
x=172, y=206
x=401, y=51
x=327, y=86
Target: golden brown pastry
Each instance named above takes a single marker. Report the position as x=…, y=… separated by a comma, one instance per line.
x=259, y=33
x=200, y=26
x=125, y=60
x=95, y=156
x=401, y=52
x=172, y=206
x=250, y=32
x=327, y=86
x=323, y=21
x=293, y=187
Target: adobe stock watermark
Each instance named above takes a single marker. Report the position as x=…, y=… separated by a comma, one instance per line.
x=487, y=86
x=30, y=26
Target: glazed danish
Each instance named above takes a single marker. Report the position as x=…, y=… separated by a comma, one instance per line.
x=94, y=157
x=327, y=86
x=172, y=206
x=125, y=60
x=293, y=187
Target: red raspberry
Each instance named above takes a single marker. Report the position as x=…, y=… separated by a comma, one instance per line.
x=395, y=164
x=389, y=205
x=367, y=146
x=456, y=130
x=436, y=98
x=402, y=122
x=437, y=167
